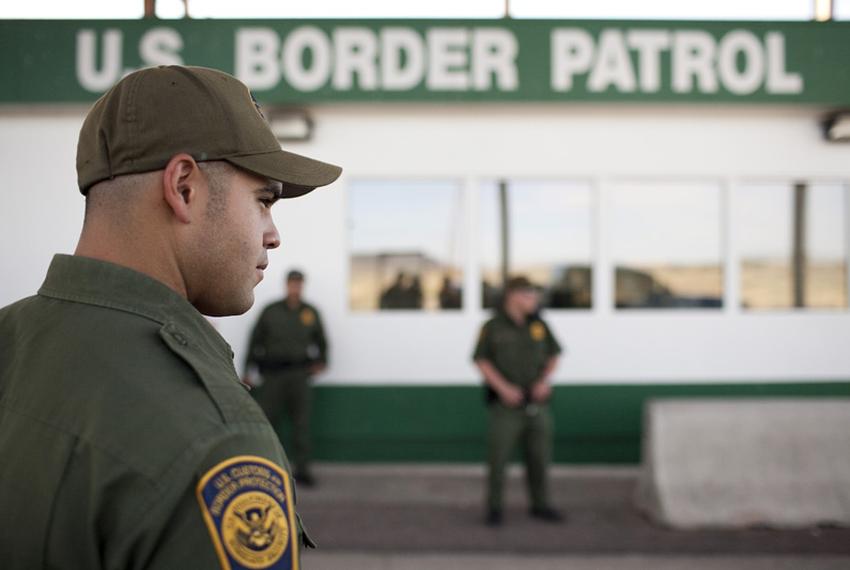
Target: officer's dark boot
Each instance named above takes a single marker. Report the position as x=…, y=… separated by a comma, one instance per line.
x=494, y=517
x=305, y=479
x=547, y=514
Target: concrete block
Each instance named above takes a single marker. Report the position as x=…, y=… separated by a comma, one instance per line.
x=746, y=462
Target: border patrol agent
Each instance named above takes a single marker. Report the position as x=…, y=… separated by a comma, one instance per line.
x=288, y=345
x=517, y=353
x=127, y=438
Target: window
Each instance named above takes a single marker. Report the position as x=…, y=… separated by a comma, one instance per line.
x=541, y=230
x=405, y=245
x=666, y=245
x=792, y=244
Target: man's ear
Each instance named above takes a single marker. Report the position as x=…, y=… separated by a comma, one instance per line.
x=181, y=182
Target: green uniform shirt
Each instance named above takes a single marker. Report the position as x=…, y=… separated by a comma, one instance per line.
x=126, y=438
x=519, y=353
x=287, y=336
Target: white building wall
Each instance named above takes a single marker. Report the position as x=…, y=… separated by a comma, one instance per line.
x=42, y=214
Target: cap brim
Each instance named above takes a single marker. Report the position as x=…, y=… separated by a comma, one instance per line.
x=298, y=174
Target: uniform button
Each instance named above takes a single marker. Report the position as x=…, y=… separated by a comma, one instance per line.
x=179, y=338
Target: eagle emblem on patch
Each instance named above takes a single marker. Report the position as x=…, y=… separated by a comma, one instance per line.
x=537, y=330
x=247, y=506
x=308, y=317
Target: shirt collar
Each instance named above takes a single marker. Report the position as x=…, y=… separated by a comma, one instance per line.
x=503, y=314
x=100, y=283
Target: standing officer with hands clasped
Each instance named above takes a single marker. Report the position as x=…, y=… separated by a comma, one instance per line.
x=288, y=346
x=517, y=353
x=126, y=437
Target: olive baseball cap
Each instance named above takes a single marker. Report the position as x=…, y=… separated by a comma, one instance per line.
x=157, y=112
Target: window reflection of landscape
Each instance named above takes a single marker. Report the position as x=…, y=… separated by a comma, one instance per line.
x=404, y=245
x=548, y=228
x=791, y=239
x=666, y=245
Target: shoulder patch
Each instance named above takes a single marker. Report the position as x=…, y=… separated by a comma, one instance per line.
x=308, y=317
x=247, y=505
x=537, y=330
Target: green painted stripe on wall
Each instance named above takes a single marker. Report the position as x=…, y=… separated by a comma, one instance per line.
x=594, y=423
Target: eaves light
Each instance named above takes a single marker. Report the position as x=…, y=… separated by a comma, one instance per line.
x=291, y=125
x=837, y=127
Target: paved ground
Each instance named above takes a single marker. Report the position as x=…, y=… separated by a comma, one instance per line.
x=402, y=561
x=410, y=517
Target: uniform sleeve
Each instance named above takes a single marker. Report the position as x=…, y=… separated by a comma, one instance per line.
x=237, y=511
x=257, y=343
x=185, y=541
x=162, y=520
x=319, y=338
x=553, y=348
x=484, y=346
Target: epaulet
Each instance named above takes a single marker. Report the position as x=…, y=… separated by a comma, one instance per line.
x=217, y=375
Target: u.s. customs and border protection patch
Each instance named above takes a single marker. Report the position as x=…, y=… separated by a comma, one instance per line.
x=247, y=505
x=308, y=317
x=537, y=330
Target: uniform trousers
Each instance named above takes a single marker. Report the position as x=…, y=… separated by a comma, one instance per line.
x=507, y=428
x=289, y=393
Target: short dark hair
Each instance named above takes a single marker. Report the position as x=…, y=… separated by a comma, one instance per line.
x=294, y=275
x=518, y=283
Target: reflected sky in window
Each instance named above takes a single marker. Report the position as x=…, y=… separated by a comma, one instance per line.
x=764, y=218
x=549, y=223
x=666, y=223
x=549, y=240
x=666, y=245
x=420, y=216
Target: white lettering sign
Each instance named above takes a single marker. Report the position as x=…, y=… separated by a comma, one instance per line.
x=649, y=45
x=494, y=53
x=393, y=59
x=256, y=57
x=157, y=46
x=779, y=81
x=740, y=62
x=356, y=53
x=447, y=59
x=303, y=41
x=401, y=45
x=572, y=53
x=613, y=66
x=466, y=59
x=161, y=46
x=98, y=74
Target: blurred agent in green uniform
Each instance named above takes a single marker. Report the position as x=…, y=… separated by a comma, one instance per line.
x=517, y=353
x=288, y=346
x=126, y=437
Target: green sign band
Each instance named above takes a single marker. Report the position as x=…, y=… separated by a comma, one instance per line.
x=300, y=61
